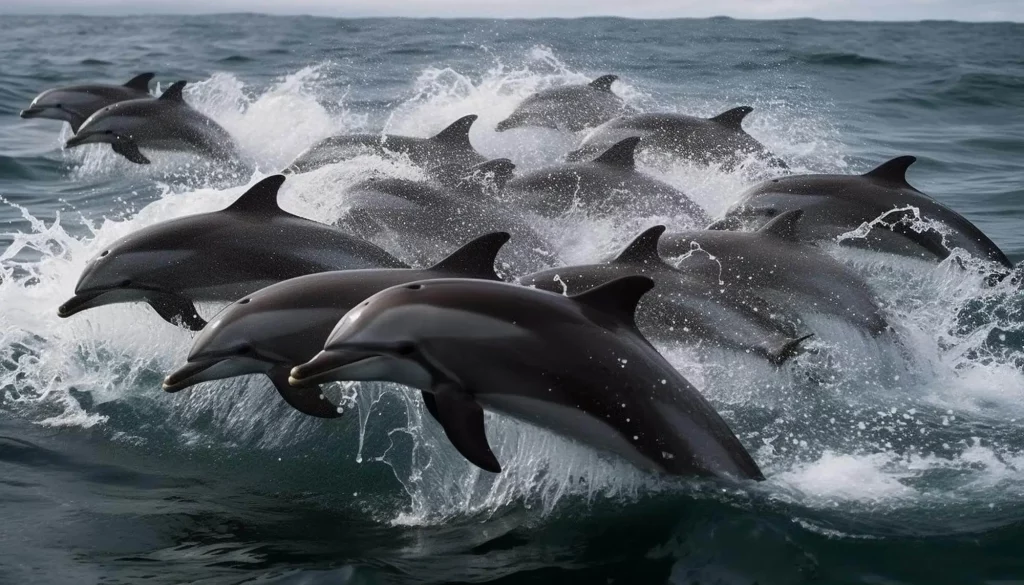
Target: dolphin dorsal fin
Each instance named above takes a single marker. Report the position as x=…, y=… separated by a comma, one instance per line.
x=784, y=226
x=733, y=118
x=261, y=197
x=643, y=249
x=173, y=93
x=140, y=82
x=500, y=170
x=604, y=83
x=893, y=171
x=457, y=133
x=617, y=298
x=621, y=154
x=475, y=258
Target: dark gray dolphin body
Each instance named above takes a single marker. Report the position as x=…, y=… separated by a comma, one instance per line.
x=165, y=123
x=218, y=256
x=430, y=220
x=570, y=107
x=837, y=204
x=609, y=185
x=718, y=140
x=575, y=365
x=447, y=149
x=683, y=307
x=772, y=264
x=283, y=325
x=75, y=103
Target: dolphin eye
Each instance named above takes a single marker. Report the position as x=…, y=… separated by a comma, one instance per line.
x=125, y=284
x=414, y=286
x=405, y=348
x=105, y=252
x=244, y=301
x=108, y=132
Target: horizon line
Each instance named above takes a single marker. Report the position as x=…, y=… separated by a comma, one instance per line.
x=104, y=14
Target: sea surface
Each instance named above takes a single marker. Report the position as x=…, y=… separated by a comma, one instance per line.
x=886, y=464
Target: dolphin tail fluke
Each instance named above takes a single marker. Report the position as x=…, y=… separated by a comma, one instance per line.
x=792, y=347
x=463, y=423
x=178, y=311
x=476, y=258
x=130, y=151
x=140, y=82
x=305, y=400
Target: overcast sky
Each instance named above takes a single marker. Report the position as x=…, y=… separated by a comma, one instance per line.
x=973, y=10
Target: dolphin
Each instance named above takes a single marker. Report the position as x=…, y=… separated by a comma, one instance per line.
x=218, y=256
x=429, y=219
x=577, y=366
x=608, y=185
x=683, y=307
x=166, y=123
x=75, y=103
x=448, y=147
x=882, y=198
x=570, y=107
x=279, y=327
x=771, y=263
x=717, y=140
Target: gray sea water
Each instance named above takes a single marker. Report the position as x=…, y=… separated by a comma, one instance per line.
x=884, y=465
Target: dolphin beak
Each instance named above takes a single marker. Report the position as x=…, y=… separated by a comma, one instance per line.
x=78, y=303
x=32, y=112
x=76, y=140
x=505, y=124
x=330, y=366
x=187, y=375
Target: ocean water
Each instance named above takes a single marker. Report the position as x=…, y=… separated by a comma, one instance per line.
x=886, y=463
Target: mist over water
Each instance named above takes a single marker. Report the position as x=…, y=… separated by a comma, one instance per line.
x=891, y=459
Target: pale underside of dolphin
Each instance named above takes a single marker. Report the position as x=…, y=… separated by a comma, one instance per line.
x=218, y=256
x=164, y=124
x=893, y=215
x=74, y=104
x=286, y=324
x=574, y=365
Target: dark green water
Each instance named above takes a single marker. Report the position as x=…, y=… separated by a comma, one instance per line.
x=884, y=464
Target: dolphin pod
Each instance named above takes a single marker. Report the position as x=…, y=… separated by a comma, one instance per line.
x=75, y=103
x=166, y=123
x=500, y=324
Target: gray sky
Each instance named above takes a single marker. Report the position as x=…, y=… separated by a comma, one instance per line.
x=972, y=10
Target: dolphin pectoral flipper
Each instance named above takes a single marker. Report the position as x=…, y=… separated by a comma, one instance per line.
x=177, y=311
x=779, y=355
x=305, y=400
x=130, y=151
x=463, y=422
x=929, y=239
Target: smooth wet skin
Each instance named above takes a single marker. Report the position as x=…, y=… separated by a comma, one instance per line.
x=285, y=324
x=218, y=256
x=716, y=140
x=684, y=307
x=575, y=365
x=834, y=205
x=166, y=123
x=74, y=104
x=570, y=107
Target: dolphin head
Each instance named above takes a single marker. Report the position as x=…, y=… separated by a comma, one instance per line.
x=67, y=104
x=124, y=272
x=120, y=122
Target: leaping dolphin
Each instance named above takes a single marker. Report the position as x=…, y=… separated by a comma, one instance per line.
x=570, y=107
x=279, y=327
x=75, y=103
x=166, y=123
x=684, y=307
x=575, y=365
x=882, y=199
x=218, y=256
x=447, y=149
x=716, y=140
